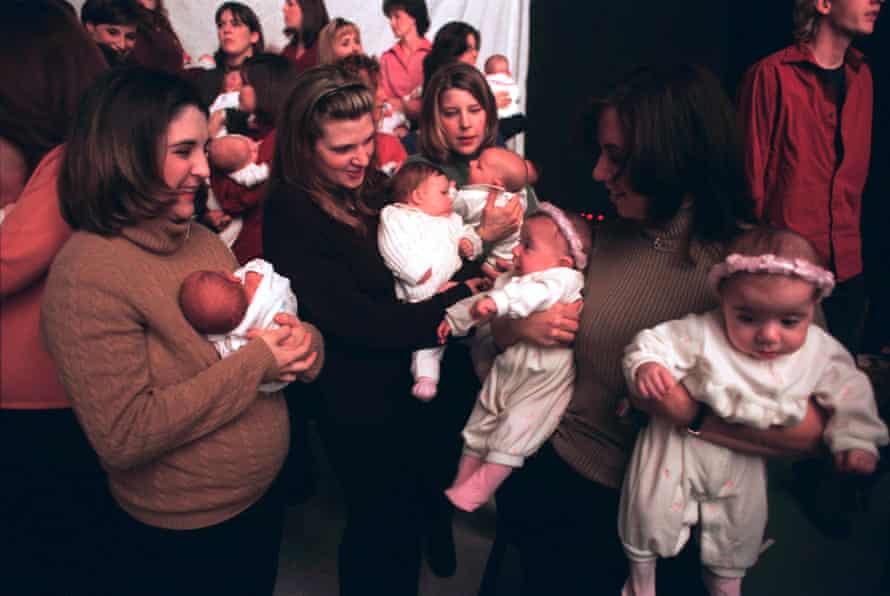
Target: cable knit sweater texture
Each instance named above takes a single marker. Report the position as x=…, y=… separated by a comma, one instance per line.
x=637, y=277
x=186, y=439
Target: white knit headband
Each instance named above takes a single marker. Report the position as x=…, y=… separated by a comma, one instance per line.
x=770, y=263
x=576, y=248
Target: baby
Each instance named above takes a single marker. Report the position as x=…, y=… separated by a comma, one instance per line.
x=500, y=79
x=231, y=91
x=754, y=360
x=236, y=155
x=226, y=306
x=421, y=240
x=498, y=169
x=528, y=387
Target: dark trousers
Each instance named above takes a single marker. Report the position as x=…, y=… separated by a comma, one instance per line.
x=53, y=503
x=845, y=312
x=566, y=530
x=236, y=557
x=393, y=473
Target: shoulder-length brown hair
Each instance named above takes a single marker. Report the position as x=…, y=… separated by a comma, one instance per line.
x=681, y=141
x=327, y=39
x=47, y=60
x=111, y=174
x=431, y=138
x=322, y=93
x=272, y=76
x=240, y=12
x=315, y=17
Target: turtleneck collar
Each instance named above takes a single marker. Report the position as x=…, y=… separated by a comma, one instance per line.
x=672, y=235
x=158, y=235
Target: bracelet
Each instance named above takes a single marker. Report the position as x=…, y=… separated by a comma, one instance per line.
x=694, y=426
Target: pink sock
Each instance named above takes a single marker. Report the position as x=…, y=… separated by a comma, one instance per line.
x=468, y=464
x=722, y=586
x=478, y=488
x=642, y=579
x=424, y=389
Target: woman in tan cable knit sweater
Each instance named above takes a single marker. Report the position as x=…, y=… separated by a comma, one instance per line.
x=191, y=448
x=670, y=160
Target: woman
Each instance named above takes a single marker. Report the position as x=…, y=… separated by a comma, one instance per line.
x=158, y=46
x=392, y=453
x=303, y=20
x=338, y=39
x=401, y=66
x=191, y=448
x=454, y=42
x=53, y=490
x=240, y=37
x=267, y=79
x=670, y=159
x=458, y=120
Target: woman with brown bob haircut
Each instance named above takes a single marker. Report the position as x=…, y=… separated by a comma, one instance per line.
x=391, y=453
x=190, y=446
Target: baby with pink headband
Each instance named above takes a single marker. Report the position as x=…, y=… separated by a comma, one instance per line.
x=755, y=360
x=528, y=387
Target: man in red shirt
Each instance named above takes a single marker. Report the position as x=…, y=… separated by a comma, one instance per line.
x=806, y=116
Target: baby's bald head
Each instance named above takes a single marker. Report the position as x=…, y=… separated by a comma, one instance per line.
x=212, y=302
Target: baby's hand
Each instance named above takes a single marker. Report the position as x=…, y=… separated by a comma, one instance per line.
x=484, y=308
x=218, y=219
x=654, y=381
x=855, y=461
x=443, y=331
x=465, y=247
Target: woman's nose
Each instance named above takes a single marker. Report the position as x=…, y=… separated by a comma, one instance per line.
x=599, y=170
x=200, y=167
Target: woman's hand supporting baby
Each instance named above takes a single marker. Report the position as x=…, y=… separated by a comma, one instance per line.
x=555, y=326
x=291, y=345
x=499, y=222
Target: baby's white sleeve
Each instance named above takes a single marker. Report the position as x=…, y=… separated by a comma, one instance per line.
x=523, y=296
x=251, y=175
x=469, y=233
x=398, y=241
x=676, y=345
x=846, y=392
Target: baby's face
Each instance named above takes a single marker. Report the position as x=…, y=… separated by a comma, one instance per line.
x=485, y=169
x=766, y=316
x=232, y=81
x=433, y=196
x=541, y=247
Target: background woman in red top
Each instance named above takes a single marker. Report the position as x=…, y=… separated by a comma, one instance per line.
x=303, y=19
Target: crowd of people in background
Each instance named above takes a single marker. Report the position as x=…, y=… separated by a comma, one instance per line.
x=199, y=255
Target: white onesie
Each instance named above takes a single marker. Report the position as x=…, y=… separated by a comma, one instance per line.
x=411, y=243
x=676, y=480
x=504, y=82
x=274, y=295
x=469, y=203
x=528, y=387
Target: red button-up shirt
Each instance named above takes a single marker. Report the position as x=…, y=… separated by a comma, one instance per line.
x=402, y=73
x=789, y=120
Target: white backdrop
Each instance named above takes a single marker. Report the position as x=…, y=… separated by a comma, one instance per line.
x=503, y=24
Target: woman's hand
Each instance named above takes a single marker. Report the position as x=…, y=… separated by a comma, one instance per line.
x=290, y=345
x=555, y=326
x=499, y=222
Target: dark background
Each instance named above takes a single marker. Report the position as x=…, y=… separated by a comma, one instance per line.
x=580, y=49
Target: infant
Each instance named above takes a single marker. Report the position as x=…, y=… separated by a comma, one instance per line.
x=225, y=306
x=231, y=90
x=421, y=240
x=528, y=387
x=236, y=155
x=500, y=79
x=495, y=169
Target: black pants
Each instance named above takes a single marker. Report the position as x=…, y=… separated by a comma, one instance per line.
x=236, y=557
x=393, y=473
x=53, y=505
x=566, y=530
x=845, y=312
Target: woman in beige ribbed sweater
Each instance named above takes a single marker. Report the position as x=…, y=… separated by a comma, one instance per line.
x=669, y=158
x=190, y=447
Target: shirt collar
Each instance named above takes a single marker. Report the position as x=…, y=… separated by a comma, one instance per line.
x=801, y=53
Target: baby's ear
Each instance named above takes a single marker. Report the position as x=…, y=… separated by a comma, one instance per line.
x=566, y=261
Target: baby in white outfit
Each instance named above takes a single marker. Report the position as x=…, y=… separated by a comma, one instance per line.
x=225, y=306
x=422, y=240
x=500, y=79
x=495, y=169
x=755, y=360
x=528, y=387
